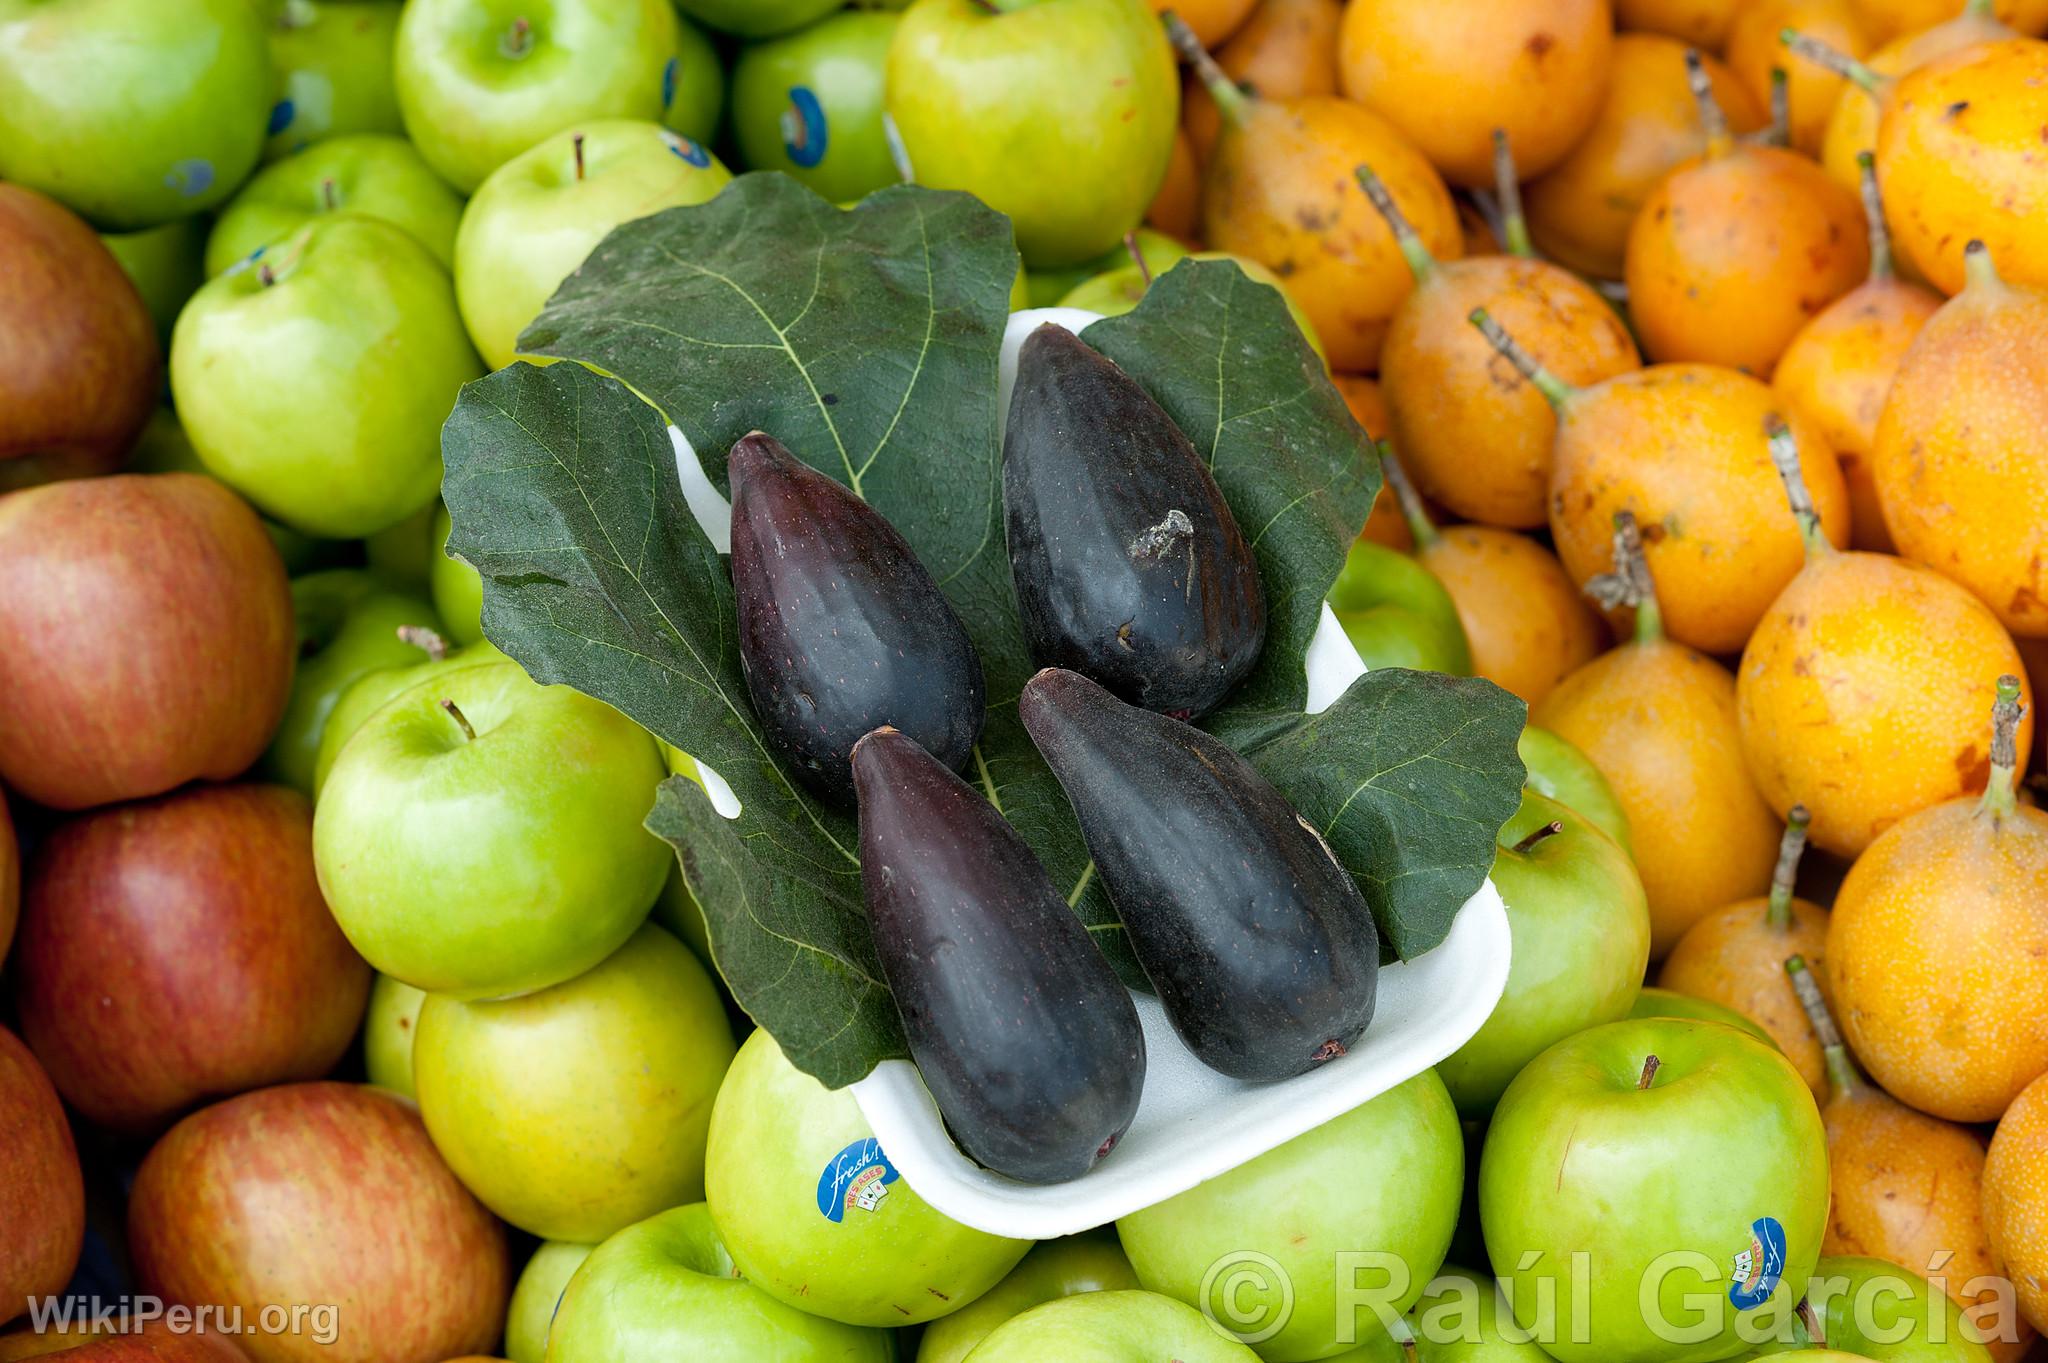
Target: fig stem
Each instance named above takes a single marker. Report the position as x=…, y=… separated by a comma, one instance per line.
x=1137, y=255
x=461, y=720
x=1514, y=225
x=518, y=39
x=1881, y=265
x=2006, y=711
x=1785, y=455
x=1406, y=497
x=577, y=142
x=1421, y=263
x=1549, y=830
x=1833, y=60
x=424, y=639
x=1978, y=269
x=1790, y=846
x=1843, y=1076
x=329, y=197
x=1651, y=1064
x=1713, y=122
x=1231, y=102
x=1550, y=385
x=1629, y=583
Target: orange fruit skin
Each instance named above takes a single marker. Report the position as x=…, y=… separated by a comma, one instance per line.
x=1863, y=695
x=1754, y=48
x=1526, y=622
x=1683, y=447
x=2016, y=1198
x=1960, y=461
x=1702, y=23
x=1837, y=373
x=1852, y=123
x=1286, y=49
x=1449, y=74
x=1281, y=190
x=1580, y=211
x=1472, y=432
x=1177, y=208
x=1938, y=950
x=1885, y=20
x=1975, y=171
x=1734, y=957
x=1386, y=525
x=1212, y=20
x=1658, y=720
x=1733, y=254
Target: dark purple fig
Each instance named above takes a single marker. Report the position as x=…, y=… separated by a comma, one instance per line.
x=842, y=630
x=1262, y=950
x=1128, y=564
x=1027, y=1040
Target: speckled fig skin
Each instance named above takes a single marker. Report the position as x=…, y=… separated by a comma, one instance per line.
x=1528, y=625
x=2016, y=1198
x=1960, y=463
x=1753, y=48
x=1285, y=49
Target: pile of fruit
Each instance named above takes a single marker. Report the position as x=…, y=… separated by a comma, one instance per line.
x=454, y=865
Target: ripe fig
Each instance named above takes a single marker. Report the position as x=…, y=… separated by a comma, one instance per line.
x=1127, y=562
x=841, y=629
x=1262, y=950
x=1027, y=1040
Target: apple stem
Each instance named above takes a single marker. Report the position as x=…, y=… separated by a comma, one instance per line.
x=1421, y=263
x=1785, y=455
x=1790, y=847
x=1651, y=1064
x=1843, y=1075
x=1406, y=497
x=1977, y=267
x=1508, y=189
x=1833, y=60
x=518, y=39
x=1137, y=255
x=1881, y=266
x=1816, y=1333
x=1549, y=830
x=2006, y=712
x=1778, y=132
x=424, y=639
x=577, y=142
x=461, y=720
x=265, y=275
x=330, y=198
x=1550, y=385
x=1231, y=102
x=1713, y=122
x=1629, y=583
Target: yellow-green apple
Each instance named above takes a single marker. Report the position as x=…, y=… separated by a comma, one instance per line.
x=42, y=1193
x=80, y=364
x=1557, y=769
x=320, y=1193
x=1580, y=931
x=1655, y=1187
x=535, y=1297
x=538, y=215
x=1880, y=1311
x=177, y=950
x=480, y=81
x=1059, y=113
x=1462, y=1318
x=757, y=18
x=458, y=588
x=165, y=263
x=694, y=86
x=1295, y=1213
x=371, y=692
x=333, y=63
x=390, y=1024
x=145, y=637
x=1110, y=1327
x=809, y=104
x=1655, y=1002
x=1091, y=1262
x=315, y=380
x=133, y=112
x=1047, y=285
x=480, y=835
x=370, y=175
x=400, y=553
x=817, y=1217
x=577, y=1110
x=1396, y=614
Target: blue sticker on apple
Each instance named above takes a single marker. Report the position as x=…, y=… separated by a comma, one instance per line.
x=803, y=127
x=685, y=148
x=281, y=115
x=190, y=178
x=1759, y=1266
x=856, y=1179
x=668, y=82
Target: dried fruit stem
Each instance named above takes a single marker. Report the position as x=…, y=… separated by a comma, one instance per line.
x=329, y=198
x=1842, y=1071
x=1629, y=584
x=1405, y=496
x=1549, y=830
x=1790, y=846
x=1832, y=59
x=577, y=142
x=1137, y=255
x=1513, y=224
x=1785, y=455
x=1881, y=266
x=1550, y=385
x=2005, y=761
x=518, y=39
x=1651, y=1064
x=1713, y=122
x=1230, y=101
x=461, y=720
x=1420, y=263
x=1778, y=132
x=424, y=639
x=1977, y=267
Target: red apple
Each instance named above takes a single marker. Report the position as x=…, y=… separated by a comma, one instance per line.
x=42, y=1193
x=145, y=637
x=10, y=879
x=321, y=1194
x=80, y=366
x=155, y=1344
x=177, y=950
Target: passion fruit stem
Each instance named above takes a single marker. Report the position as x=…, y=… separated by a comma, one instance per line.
x=1231, y=102
x=1833, y=59
x=1843, y=1075
x=424, y=639
x=1786, y=874
x=1881, y=267
x=1550, y=385
x=1421, y=263
x=1979, y=9
x=1713, y=122
x=461, y=720
x=1514, y=225
x=1630, y=584
x=2006, y=712
x=1406, y=497
x=1778, y=132
x=1978, y=269
x=1785, y=455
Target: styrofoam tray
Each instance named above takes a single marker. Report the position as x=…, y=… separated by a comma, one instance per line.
x=1192, y=1123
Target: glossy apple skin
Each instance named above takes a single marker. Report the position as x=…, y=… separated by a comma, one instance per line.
x=42, y=1193
x=535, y=1297
x=810, y=105
x=1557, y=769
x=177, y=950
x=667, y=1288
x=1459, y=1320
x=333, y=63
x=1090, y=1262
x=471, y=104
x=534, y=219
x=1581, y=941
x=758, y=18
x=1396, y=614
x=1882, y=1312
x=145, y=637
x=1653, y=1002
x=372, y=691
x=371, y=174
x=321, y=1192
x=132, y=112
x=1110, y=1327
x=153, y=1345
x=498, y=865
x=698, y=102
x=1303, y=1203
x=1060, y=114
x=458, y=588
x=1579, y=1158
x=389, y=1025
x=80, y=366
x=775, y=1132
x=165, y=265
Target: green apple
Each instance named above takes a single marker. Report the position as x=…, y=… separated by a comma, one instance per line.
x=1090, y=1262
x=315, y=381
x=348, y=624
x=373, y=690
x=810, y=105
x=817, y=1217
x=695, y=87
x=401, y=554
x=1118, y=291
x=165, y=263
x=1396, y=613
x=1058, y=113
x=132, y=112
x=1463, y=1318
x=535, y=1297
x=668, y=1289
x=1880, y=1311
x=458, y=588
x=576, y=1111
x=1160, y=252
x=539, y=214
x=389, y=1025
x=333, y=60
x=1658, y=1002
x=1558, y=770
x=1322, y=1240
x=1580, y=928
x=480, y=834
x=757, y=18
x=1110, y=1327
x=368, y=174
x=165, y=448
x=1654, y=1187
x=480, y=81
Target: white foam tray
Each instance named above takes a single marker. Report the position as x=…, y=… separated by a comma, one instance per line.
x=1192, y=1123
